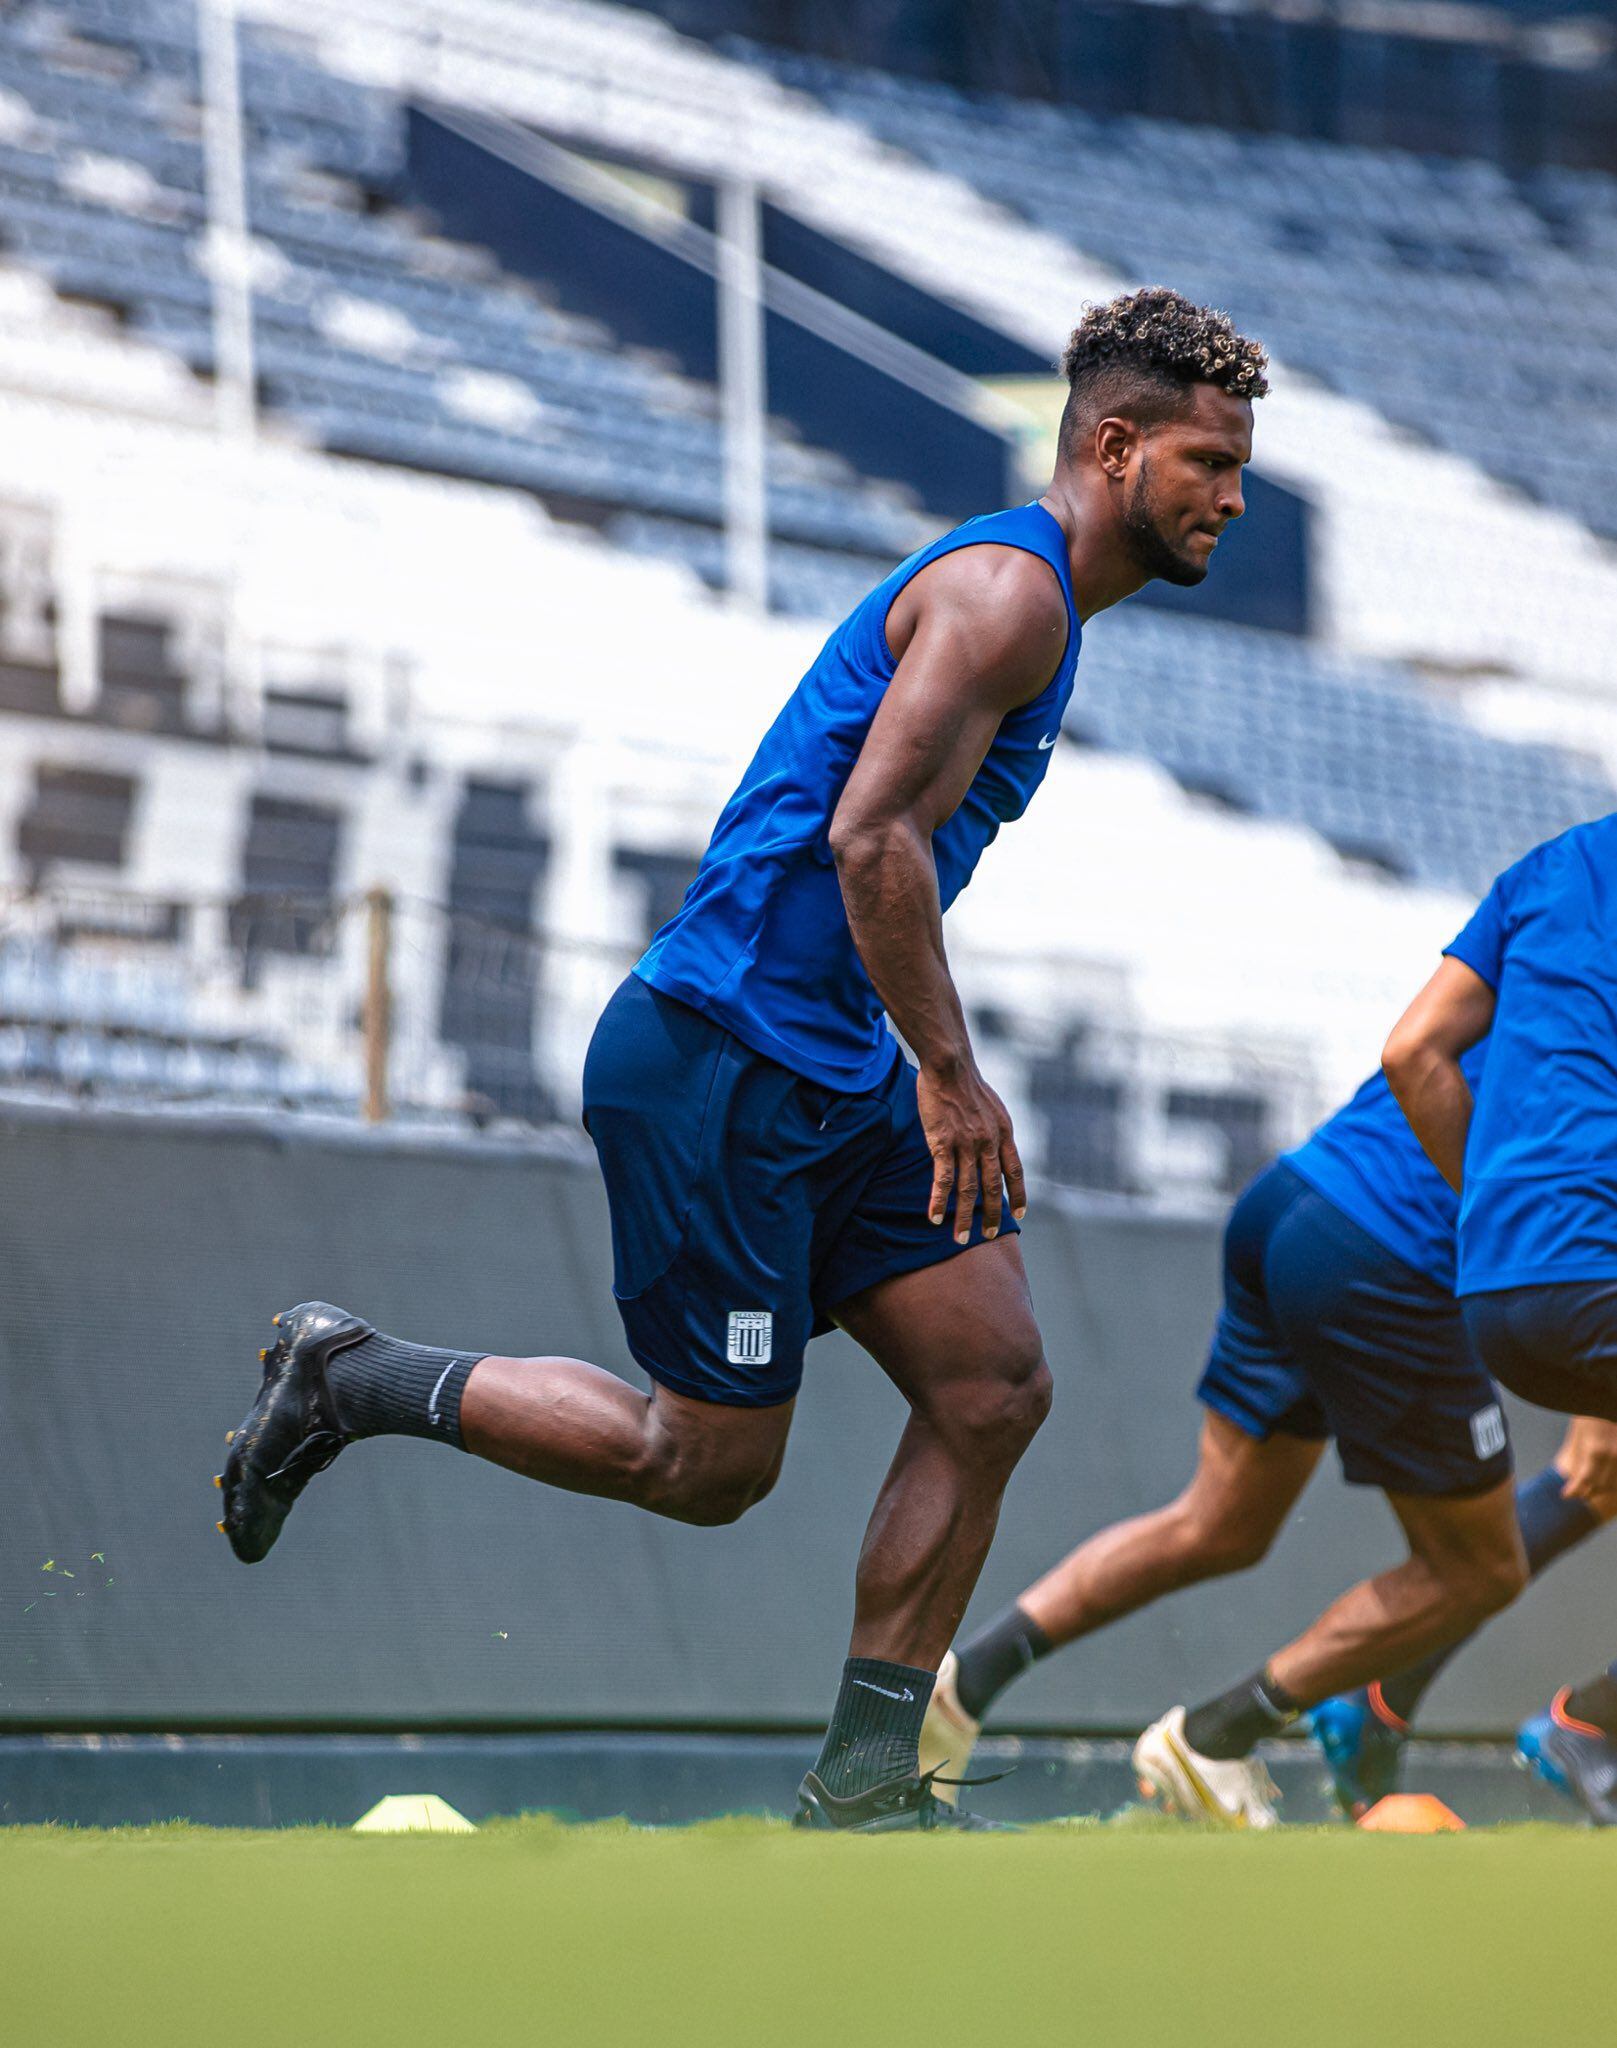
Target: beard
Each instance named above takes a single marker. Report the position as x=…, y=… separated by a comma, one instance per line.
x=1157, y=556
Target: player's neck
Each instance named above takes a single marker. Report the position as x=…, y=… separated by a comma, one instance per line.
x=1104, y=570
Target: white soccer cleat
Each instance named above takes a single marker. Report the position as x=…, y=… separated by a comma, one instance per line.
x=1233, y=1792
x=948, y=1734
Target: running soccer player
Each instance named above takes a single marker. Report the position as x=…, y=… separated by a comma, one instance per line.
x=1535, y=971
x=1535, y=1162
x=773, y=1163
x=1338, y=1320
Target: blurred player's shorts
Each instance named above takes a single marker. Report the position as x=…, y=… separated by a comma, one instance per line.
x=1555, y=1346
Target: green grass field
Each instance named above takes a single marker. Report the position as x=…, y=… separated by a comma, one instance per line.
x=741, y=1932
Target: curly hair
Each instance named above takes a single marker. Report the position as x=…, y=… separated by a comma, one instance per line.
x=1145, y=351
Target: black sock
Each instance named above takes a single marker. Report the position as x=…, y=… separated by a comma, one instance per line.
x=1004, y=1650
x=875, y=1730
x=1596, y=1703
x=1231, y=1724
x=1551, y=1524
x=386, y=1387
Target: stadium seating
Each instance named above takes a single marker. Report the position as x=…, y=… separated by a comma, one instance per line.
x=1267, y=724
x=534, y=830
x=537, y=803
x=1419, y=555
x=1465, y=305
x=374, y=336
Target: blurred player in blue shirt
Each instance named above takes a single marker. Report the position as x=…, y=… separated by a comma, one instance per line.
x=1535, y=972
x=1338, y=1321
x=1535, y=1160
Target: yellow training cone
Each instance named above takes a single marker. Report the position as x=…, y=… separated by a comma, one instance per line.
x=410, y=1813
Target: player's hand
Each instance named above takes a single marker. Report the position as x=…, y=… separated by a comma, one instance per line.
x=968, y=1131
x=1587, y=1463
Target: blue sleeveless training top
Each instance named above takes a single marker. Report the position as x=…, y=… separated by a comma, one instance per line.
x=761, y=942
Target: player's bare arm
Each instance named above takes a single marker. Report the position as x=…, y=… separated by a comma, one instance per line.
x=1422, y=1061
x=1587, y=1463
x=977, y=635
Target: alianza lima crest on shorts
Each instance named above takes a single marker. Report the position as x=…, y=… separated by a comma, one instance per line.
x=752, y=1336
x=1488, y=1431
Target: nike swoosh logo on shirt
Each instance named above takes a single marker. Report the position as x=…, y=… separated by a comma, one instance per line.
x=1048, y=742
x=906, y=1694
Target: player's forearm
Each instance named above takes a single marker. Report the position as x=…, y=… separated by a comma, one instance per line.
x=1433, y=1095
x=890, y=891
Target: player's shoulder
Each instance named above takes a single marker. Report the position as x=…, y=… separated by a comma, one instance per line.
x=1001, y=603
x=1564, y=861
x=1003, y=578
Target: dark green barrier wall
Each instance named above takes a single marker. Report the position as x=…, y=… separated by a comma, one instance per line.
x=143, y=1259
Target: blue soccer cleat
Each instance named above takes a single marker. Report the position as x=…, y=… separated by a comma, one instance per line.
x=1363, y=1741
x=1575, y=1757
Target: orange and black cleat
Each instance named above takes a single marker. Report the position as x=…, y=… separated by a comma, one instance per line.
x=291, y=1432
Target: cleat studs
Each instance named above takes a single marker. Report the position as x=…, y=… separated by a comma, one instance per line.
x=263, y=1354
x=219, y=1480
x=276, y=1321
x=230, y=1436
x=220, y=1527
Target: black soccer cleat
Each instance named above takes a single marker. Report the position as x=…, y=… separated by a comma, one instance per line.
x=292, y=1431
x=901, y=1803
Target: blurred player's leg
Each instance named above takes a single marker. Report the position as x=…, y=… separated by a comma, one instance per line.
x=1465, y=1562
x=1362, y=1733
x=1260, y=1442
x=1237, y=1500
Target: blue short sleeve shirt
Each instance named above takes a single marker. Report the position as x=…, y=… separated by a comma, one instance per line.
x=1368, y=1163
x=1539, y=1204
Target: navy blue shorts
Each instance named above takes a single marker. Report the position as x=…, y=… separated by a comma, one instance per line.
x=746, y=1201
x=1555, y=1346
x=1325, y=1333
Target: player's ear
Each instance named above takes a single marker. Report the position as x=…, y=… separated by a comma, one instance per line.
x=1114, y=443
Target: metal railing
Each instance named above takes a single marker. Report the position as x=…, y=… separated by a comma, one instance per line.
x=374, y=1007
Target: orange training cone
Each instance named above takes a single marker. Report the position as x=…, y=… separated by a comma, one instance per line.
x=1412, y=1813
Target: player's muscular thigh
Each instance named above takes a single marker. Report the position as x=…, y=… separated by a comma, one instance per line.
x=960, y=1342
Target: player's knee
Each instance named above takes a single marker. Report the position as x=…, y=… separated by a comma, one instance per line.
x=1482, y=1582
x=709, y=1499
x=1498, y=1578
x=1216, y=1544
x=997, y=1415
